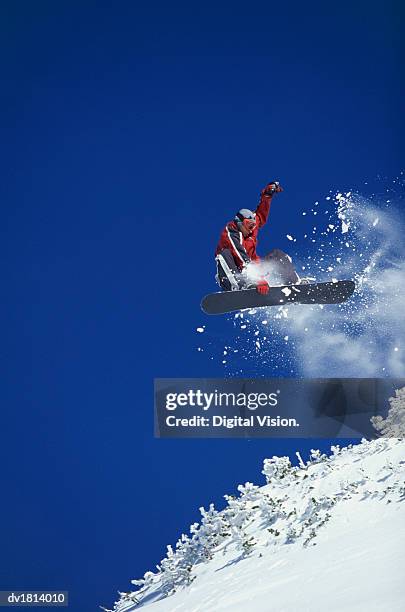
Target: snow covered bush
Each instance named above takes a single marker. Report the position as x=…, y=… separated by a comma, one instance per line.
x=276, y=468
x=394, y=425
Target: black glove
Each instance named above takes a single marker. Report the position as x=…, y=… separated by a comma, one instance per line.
x=272, y=188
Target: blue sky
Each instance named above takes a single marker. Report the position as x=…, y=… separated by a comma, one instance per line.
x=133, y=131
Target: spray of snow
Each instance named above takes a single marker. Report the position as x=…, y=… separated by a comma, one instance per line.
x=359, y=337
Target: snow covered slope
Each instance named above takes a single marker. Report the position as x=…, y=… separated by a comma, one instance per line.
x=328, y=535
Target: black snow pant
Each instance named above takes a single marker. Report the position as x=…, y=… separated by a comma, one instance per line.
x=280, y=270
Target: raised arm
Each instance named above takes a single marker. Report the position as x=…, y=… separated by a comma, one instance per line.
x=262, y=211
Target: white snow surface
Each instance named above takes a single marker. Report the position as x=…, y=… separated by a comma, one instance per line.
x=326, y=535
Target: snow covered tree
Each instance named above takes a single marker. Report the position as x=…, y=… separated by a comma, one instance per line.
x=394, y=425
x=214, y=528
x=276, y=468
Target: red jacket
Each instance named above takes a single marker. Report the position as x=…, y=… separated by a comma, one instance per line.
x=244, y=249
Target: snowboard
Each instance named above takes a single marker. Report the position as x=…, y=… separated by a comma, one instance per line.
x=313, y=293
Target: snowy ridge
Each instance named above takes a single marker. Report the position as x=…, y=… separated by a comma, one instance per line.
x=310, y=539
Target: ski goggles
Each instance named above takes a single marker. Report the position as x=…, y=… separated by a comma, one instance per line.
x=248, y=217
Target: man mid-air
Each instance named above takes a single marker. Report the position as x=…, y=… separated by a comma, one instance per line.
x=238, y=265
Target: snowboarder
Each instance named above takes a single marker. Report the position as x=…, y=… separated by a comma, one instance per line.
x=238, y=265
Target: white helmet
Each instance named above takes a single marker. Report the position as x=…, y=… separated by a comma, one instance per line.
x=243, y=214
